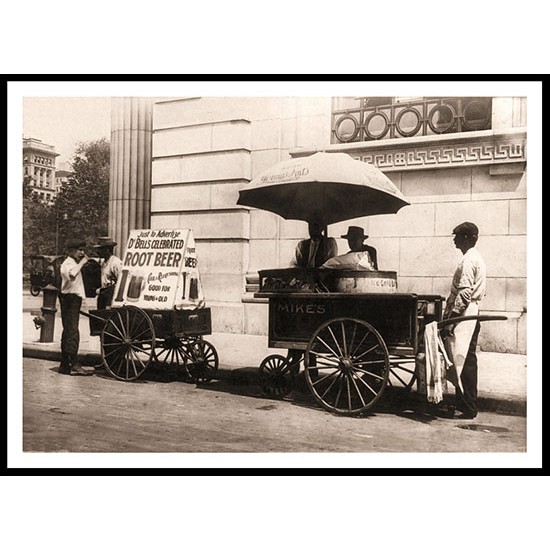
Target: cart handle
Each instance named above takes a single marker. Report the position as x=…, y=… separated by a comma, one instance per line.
x=455, y=320
x=92, y=316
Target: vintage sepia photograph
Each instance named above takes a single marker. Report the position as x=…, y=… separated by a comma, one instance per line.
x=276, y=274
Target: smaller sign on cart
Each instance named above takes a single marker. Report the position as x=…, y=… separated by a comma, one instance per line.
x=160, y=271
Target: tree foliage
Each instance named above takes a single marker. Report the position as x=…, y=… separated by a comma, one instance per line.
x=36, y=223
x=82, y=205
x=80, y=210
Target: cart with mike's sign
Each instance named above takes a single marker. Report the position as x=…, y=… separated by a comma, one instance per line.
x=354, y=333
x=158, y=313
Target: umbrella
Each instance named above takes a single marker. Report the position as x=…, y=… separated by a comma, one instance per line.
x=325, y=188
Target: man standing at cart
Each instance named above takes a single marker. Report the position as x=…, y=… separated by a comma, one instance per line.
x=360, y=256
x=316, y=250
x=312, y=252
x=70, y=299
x=467, y=290
x=356, y=237
x=111, y=266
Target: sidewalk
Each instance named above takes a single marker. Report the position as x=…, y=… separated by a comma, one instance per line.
x=502, y=380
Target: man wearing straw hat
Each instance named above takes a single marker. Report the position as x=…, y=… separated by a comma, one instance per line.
x=356, y=237
x=360, y=256
x=111, y=266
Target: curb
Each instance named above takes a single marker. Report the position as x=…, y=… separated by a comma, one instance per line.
x=55, y=355
x=502, y=404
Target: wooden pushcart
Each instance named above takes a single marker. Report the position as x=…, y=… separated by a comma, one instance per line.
x=133, y=338
x=158, y=314
x=41, y=271
x=352, y=345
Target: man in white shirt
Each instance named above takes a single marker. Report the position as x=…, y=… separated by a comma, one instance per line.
x=467, y=290
x=70, y=299
x=111, y=266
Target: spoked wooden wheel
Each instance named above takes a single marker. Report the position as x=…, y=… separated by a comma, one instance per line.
x=172, y=352
x=276, y=376
x=127, y=342
x=202, y=360
x=402, y=373
x=346, y=365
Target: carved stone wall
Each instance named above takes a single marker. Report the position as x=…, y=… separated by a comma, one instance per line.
x=206, y=149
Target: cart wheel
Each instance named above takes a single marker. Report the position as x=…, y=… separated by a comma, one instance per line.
x=35, y=290
x=402, y=373
x=171, y=351
x=346, y=365
x=127, y=342
x=203, y=360
x=276, y=376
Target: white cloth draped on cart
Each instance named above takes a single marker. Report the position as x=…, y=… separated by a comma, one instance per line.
x=437, y=364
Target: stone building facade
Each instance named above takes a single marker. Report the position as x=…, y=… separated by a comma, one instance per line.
x=39, y=168
x=454, y=161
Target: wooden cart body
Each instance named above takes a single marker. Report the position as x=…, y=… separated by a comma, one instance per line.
x=158, y=313
x=399, y=318
x=358, y=342
x=166, y=323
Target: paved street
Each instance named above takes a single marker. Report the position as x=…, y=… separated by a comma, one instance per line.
x=161, y=413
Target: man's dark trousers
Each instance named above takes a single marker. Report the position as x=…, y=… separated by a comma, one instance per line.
x=70, y=337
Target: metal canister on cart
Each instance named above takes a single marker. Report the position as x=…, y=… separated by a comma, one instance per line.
x=371, y=282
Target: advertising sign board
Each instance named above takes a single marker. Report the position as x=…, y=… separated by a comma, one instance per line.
x=159, y=271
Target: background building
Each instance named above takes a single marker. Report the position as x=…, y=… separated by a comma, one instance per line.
x=455, y=159
x=61, y=178
x=39, y=168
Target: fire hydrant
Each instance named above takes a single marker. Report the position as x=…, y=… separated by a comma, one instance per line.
x=46, y=322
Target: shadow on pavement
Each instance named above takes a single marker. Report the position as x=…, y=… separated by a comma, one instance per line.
x=394, y=401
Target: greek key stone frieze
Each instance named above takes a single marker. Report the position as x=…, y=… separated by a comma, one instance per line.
x=447, y=155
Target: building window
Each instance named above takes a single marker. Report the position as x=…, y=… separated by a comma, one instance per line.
x=375, y=118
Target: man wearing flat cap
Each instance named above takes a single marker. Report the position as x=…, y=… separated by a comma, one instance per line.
x=467, y=290
x=111, y=266
x=71, y=295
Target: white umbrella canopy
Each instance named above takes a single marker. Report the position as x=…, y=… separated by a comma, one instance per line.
x=325, y=188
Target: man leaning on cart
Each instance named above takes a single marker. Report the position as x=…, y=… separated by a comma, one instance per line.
x=467, y=290
x=111, y=267
x=70, y=299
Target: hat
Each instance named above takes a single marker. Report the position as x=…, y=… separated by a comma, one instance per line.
x=354, y=232
x=104, y=241
x=466, y=228
x=75, y=245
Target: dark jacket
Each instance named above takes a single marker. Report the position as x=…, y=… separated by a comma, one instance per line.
x=327, y=249
x=372, y=253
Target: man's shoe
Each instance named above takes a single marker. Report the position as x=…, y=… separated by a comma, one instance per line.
x=64, y=369
x=466, y=415
x=79, y=371
x=445, y=411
